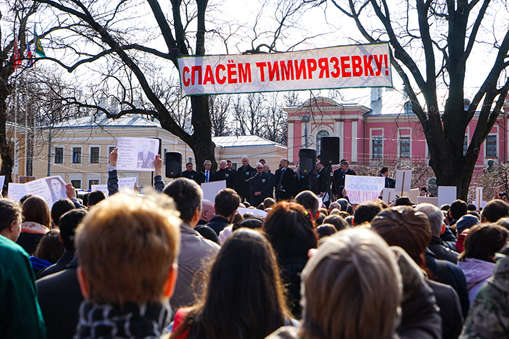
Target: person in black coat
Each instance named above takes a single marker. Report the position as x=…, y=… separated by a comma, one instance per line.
x=225, y=173
x=189, y=173
x=389, y=182
x=321, y=182
x=339, y=178
x=244, y=173
x=68, y=224
x=260, y=186
x=286, y=181
x=60, y=297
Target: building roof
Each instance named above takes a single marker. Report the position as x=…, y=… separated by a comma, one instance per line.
x=242, y=141
x=137, y=120
x=101, y=121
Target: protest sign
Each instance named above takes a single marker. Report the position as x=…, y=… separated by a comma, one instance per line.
x=388, y=195
x=427, y=200
x=478, y=198
x=50, y=189
x=2, y=182
x=446, y=194
x=362, y=188
x=16, y=191
x=365, y=65
x=136, y=154
x=403, y=181
x=254, y=211
x=210, y=189
x=413, y=194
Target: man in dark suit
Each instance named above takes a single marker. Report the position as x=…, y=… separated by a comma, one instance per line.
x=286, y=181
x=244, y=173
x=339, y=178
x=260, y=186
x=206, y=175
x=224, y=173
x=321, y=182
x=389, y=182
x=189, y=173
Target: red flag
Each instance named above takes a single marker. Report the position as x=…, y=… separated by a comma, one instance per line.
x=15, y=57
x=29, y=56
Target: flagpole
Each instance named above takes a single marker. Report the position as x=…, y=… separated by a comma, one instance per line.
x=26, y=127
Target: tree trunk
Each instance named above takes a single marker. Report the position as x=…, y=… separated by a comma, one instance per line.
x=5, y=149
x=201, y=140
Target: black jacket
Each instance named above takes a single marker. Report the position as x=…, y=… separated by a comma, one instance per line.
x=321, y=182
x=218, y=223
x=285, y=181
x=60, y=265
x=60, y=297
x=450, y=309
x=442, y=252
x=193, y=175
x=390, y=183
x=262, y=183
x=338, y=180
x=225, y=174
x=449, y=274
x=244, y=173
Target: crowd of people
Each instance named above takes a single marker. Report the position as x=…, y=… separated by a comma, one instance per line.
x=168, y=264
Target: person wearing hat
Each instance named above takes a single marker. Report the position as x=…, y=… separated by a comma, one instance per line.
x=338, y=178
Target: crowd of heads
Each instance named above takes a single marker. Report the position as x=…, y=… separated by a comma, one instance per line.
x=335, y=268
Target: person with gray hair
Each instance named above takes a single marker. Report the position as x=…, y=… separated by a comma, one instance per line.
x=224, y=173
x=436, y=220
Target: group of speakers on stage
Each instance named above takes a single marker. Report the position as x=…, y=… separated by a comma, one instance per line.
x=254, y=184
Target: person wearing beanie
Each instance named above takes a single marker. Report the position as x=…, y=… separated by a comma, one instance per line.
x=462, y=226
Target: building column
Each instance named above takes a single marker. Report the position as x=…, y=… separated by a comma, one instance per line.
x=354, y=141
x=291, y=142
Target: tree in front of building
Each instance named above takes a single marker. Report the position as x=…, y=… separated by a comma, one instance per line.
x=432, y=43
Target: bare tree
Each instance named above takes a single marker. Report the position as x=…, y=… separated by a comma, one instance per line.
x=220, y=115
x=446, y=32
x=112, y=30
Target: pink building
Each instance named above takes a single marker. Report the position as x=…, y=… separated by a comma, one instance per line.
x=375, y=139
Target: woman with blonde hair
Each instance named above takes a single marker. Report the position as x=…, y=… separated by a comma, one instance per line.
x=353, y=288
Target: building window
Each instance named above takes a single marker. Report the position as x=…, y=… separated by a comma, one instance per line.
x=59, y=155
x=319, y=137
x=76, y=183
x=404, y=147
x=377, y=147
x=92, y=182
x=94, y=155
x=491, y=146
x=76, y=155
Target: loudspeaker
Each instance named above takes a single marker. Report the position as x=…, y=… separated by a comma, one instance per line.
x=173, y=162
x=329, y=150
x=307, y=160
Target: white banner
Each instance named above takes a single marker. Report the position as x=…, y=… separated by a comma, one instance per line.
x=136, y=154
x=333, y=67
x=123, y=183
x=403, y=181
x=360, y=188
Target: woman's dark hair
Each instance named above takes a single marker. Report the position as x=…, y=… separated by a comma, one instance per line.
x=338, y=222
x=36, y=209
x=404, y=227
x=59, y=208
x=244, y=295
x=483, y=241
x=49, y=248
x=290, y=230
x=207, y=232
